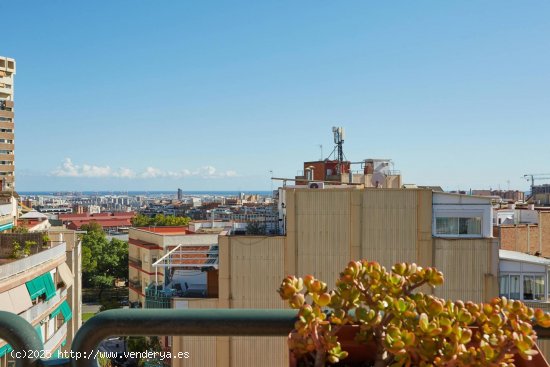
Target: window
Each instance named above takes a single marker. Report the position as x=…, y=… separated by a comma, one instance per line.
x=458, y=226
x=539, y=288
x=504, y=289
x=526, y=287
x=514, y=287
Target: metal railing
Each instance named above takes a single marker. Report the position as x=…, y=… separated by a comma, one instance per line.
x=56, y=339
x=191, y=322
x=174, y=322
x=42, y=307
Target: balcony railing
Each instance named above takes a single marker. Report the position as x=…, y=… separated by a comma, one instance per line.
x=55, y=340
x=204, y=322
x=24, y=264
x=42, y=307
x=136, y=284
x=135, y=261
x=191, y=322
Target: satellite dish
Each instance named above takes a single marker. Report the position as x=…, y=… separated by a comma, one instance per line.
x=378, y=179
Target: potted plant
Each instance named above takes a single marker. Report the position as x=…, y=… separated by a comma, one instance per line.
x=376, y=317
x=16, y=252
x=45, y=241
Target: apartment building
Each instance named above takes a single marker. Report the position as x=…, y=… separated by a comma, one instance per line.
x=7, y=157
x=153, y=250
x=42, y=286
x=8, y=210
x=324, y=229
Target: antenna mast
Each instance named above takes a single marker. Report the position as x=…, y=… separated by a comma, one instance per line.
x=339, y=141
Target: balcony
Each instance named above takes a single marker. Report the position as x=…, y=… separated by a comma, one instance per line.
x=159, y=296
x=56, y=339
x=136, y=285
x=4, y=90
x=20, y=266
x=41, y=308
x=6, y=113
x=135, y=262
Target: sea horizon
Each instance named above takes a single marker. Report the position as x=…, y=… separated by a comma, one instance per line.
x=146, y=192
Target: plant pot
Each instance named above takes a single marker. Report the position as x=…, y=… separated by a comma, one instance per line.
x=361, y=354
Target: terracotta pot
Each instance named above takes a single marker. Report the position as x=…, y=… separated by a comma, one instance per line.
x=360, y=353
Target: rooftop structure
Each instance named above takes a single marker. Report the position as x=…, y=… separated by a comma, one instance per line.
x=337, y=170
x=117, y=222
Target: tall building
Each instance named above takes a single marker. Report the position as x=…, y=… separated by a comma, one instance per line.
x=7, y=157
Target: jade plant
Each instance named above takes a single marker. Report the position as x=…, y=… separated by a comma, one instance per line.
x=405, y=326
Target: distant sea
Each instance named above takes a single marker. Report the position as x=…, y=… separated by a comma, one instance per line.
x=144, y=193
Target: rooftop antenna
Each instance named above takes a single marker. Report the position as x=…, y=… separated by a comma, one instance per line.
x=321, y=147
x=339, y=141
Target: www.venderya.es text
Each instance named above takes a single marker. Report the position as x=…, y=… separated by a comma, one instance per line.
x=44, y=354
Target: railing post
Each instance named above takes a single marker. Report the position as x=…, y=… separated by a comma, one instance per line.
x=22, y=337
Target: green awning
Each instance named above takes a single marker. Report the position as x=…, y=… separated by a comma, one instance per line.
x=40, y=285
x=5, y=349
x=64, y=309
x=36, y=287
x=55, y=312
x=50, y=286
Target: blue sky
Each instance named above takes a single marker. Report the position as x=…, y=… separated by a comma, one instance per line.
x=205, y=95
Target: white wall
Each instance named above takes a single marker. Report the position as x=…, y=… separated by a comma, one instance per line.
x=462, y=206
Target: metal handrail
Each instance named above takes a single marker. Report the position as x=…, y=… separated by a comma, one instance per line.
x=174, y=322
x=189, y=322
x=18, y=333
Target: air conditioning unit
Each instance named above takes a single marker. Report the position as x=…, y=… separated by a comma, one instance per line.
x=316, y=185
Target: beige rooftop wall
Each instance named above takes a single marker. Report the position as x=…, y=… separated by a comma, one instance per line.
x=470, y=267
x=326, y=229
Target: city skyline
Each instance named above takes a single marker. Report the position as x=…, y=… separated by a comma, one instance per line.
x=126, y=96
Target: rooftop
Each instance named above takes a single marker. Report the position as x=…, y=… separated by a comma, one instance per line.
x=520, y=256
x=168, y=230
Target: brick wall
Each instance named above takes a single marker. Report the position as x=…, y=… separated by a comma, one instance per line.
x=527, y=238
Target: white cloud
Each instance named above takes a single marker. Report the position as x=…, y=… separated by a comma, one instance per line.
x=69, y=169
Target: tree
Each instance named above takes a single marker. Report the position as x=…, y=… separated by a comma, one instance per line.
x=255, y=229
x=92, y=227
x=141, y=220
x=89, y=264
x=159, y=220
x=102, y=260
x=20, y=230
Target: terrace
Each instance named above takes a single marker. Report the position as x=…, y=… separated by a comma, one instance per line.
x=189, y=272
